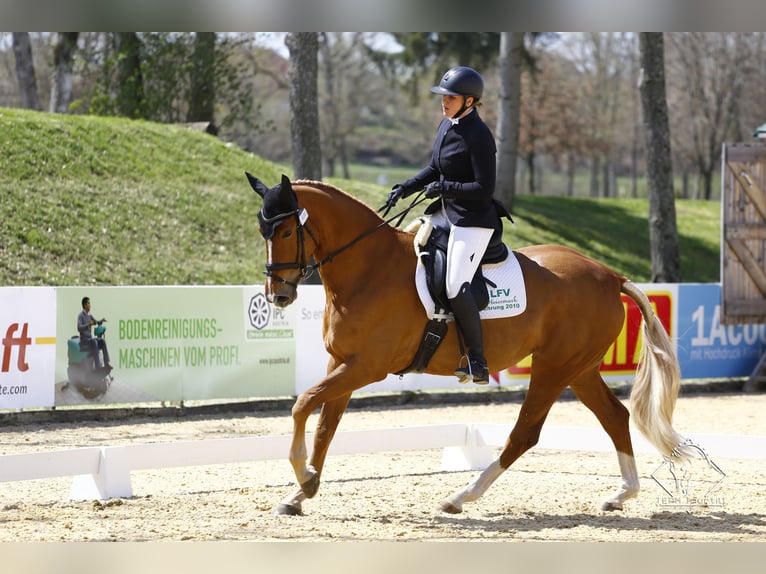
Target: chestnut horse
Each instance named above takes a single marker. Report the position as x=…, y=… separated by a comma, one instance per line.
x=374, y=322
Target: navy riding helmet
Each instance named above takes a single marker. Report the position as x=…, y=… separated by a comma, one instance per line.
x=460, y=81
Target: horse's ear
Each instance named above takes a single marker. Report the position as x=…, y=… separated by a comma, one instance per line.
x=256, y=184
x=286, y=193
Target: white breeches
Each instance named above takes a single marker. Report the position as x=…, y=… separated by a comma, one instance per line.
x=465, y=249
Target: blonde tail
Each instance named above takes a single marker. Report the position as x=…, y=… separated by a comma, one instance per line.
x=658, y=379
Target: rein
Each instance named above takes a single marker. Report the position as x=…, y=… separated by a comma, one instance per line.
x=307, y=269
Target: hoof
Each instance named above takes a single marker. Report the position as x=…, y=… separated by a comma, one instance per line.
x=287, y=510
x=449, y=508
x=311, y=486
x=611, y=505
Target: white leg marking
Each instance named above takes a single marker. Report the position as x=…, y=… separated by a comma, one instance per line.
x=629, y=485
x=292, y=504
x=475, y=489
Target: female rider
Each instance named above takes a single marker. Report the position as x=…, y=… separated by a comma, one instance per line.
x=461, y=178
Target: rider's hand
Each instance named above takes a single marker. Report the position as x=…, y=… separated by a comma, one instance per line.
x=394, y=195
x=434, y=189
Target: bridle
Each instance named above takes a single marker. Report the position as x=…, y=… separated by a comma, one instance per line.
x=301, y=260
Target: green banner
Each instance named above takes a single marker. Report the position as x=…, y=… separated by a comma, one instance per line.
x=177, y=343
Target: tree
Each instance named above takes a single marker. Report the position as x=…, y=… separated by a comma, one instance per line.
x=202, y=97
x=130, y=82
x=663, y=234
x=709, y=69
x=508, y=112
x=63, y=71
x=25, y=71
x=304, y=112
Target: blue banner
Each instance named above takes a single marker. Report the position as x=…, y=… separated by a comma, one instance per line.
x=708, y=349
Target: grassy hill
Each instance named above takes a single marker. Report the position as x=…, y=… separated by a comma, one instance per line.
x=104, y=201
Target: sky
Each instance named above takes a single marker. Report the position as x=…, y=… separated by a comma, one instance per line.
x=276, y=41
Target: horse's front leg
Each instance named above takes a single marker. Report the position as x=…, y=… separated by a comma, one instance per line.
x=307, y=476
x=333, y=393
x=329, y=418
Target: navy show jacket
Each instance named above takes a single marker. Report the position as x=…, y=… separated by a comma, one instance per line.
x=463, y=159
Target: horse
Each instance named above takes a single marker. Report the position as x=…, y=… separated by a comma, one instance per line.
x=373, y=322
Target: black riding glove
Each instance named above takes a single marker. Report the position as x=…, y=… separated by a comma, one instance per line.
x=434, y=189
x=394, y=195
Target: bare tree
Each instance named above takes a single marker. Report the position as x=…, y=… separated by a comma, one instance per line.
x=25, y=71
x=63, y=71
x=508, y=114
x=304, y=112
x=709, y=73
x=663, y=233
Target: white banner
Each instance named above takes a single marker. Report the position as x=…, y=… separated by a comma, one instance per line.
x=27, y=346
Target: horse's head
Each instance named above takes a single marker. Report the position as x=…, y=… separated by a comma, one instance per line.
x=282, y=225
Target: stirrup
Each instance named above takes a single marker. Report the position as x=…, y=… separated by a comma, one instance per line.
x=472, y=371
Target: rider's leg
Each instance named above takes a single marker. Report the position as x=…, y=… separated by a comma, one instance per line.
x=94, y=353
x=102, y=345
x=464, y=252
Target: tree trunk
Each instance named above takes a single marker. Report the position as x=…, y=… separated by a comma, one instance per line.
x=531, y=172
x=571, y=167
x=63, y=70
x=304, y=112
x=130, y=83
x=707, y=182
x=330, y=111
x=25, y=71
x=202, y=97
x=634, y=165
x=511, y=45
x=663, y=234
x=595, y=167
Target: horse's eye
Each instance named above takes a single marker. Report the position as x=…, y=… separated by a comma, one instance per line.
x=287, y=233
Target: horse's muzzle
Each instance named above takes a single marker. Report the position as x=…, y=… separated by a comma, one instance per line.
x=281, y=301
x=281, y=296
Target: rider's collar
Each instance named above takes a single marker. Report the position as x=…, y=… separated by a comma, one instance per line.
x=456, y=121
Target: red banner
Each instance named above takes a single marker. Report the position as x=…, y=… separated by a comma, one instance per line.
x=622, y=356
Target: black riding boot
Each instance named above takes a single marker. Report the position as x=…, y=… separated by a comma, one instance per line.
x=468, y=321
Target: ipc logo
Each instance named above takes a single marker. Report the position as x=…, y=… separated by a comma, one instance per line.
x=259, y=311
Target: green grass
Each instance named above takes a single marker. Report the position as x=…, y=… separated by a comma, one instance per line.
x=105, y=201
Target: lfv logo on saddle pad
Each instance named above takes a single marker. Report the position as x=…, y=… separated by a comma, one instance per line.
x=507, y=299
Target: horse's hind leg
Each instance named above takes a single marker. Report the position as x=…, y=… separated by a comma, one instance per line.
x=524, y=436
x=613, y=416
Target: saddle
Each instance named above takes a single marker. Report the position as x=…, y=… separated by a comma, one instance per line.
x=431, y=247
x=431, y=244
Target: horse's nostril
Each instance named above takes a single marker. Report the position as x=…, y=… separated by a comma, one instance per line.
x=282, y=301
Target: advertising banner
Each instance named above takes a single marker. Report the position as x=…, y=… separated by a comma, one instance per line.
x=705, y=347
x=621, y=359
x=228, y=342
x=27, y=347
x=175, y=343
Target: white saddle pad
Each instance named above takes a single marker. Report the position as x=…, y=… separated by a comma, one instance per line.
x=508, y=299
